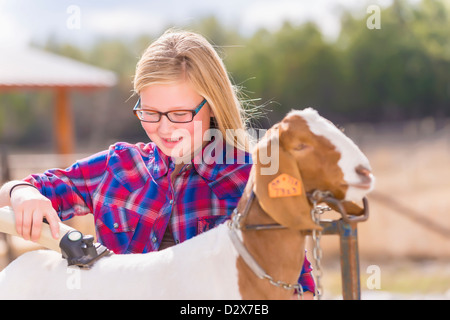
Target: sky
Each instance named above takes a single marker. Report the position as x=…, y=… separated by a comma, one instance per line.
x=81, y=21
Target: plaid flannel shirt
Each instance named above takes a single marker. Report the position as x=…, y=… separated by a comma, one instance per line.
x=129, y=191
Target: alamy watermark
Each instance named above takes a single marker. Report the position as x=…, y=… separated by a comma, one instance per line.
x=208, y=147
x=374, y=280
x=374, y=20
x=73, y=280
x=73, y=21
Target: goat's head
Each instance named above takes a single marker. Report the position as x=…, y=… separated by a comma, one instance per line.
x=312, y=155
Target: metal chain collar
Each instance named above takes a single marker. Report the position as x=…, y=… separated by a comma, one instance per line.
x=316, y=211
x=287, y=286
x=235, y=224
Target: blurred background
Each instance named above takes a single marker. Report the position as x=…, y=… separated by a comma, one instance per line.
x=378, y=69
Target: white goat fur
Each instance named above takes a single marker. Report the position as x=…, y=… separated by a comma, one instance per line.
x=351, y=156
x=203, y=267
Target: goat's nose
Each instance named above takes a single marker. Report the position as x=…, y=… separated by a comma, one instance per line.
x=364, y=173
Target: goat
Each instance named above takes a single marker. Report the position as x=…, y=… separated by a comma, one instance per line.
x=313, y=154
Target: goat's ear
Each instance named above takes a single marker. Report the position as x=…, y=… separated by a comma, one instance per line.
x=278, y=185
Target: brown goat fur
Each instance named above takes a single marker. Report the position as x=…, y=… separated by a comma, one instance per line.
x=306, y=157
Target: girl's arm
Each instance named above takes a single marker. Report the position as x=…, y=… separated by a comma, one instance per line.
x=30, y=208
x=54, y=195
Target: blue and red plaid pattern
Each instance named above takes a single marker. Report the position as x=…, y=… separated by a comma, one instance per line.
x=306, y=279
x=129, y=191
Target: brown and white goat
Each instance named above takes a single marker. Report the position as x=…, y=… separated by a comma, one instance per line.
x=317, y=156
x=313, y=154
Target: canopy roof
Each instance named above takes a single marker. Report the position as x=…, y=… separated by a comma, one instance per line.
x=30, y=68
x=33, y=68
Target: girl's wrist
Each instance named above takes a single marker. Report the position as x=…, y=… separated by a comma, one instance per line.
x=22, y=184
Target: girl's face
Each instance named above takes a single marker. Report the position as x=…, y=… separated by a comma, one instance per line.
x=178, y=140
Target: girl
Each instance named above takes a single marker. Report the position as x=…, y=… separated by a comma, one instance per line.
x=147, y=197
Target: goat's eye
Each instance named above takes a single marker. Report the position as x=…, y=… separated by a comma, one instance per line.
x=300, y=147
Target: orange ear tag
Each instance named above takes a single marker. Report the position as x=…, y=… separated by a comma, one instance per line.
x=285, y=186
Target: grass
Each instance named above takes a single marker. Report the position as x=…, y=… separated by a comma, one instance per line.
x=405, y=278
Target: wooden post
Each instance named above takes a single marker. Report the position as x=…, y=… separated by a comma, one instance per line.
x=64, y=132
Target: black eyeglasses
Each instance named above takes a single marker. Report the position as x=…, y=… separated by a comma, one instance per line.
x=176, y=116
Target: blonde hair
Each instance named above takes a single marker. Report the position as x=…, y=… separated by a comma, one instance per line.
x=183, y=55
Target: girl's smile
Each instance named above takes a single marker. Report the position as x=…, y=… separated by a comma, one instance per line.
x=175, y=139
x=171, y=143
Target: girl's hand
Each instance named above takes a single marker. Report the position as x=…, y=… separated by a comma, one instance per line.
x=30, y=208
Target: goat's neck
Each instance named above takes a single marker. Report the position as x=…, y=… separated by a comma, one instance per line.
x=279, y=252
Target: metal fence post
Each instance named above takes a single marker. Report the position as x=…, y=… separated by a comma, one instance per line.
x=350, y=273
x=349, y=255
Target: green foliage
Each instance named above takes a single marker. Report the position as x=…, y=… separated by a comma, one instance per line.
x=400, y=71
x=394, y=73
